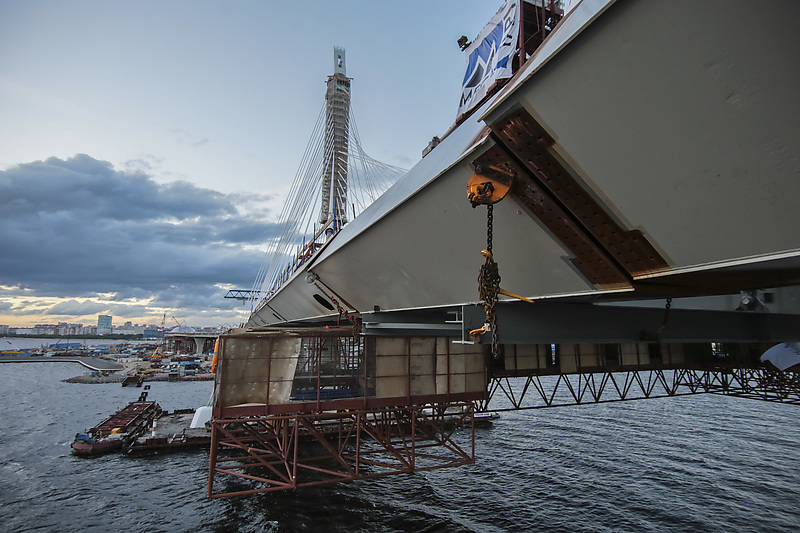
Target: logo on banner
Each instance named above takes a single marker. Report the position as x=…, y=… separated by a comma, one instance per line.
x=489, y=57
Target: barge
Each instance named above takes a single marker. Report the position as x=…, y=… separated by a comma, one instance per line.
x=144, y=427
x=118, y=431
x=133, y=381
x=179, y=430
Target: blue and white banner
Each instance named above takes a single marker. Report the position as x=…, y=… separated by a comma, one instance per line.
x=489, y=56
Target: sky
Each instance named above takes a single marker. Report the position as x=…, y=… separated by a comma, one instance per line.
x=146, y=147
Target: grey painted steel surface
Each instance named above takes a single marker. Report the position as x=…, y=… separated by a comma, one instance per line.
x=678, y=117
x=556, y=323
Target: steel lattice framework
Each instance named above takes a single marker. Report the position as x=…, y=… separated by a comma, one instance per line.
x=557, y=390
x=339, y=446
x=756, y=383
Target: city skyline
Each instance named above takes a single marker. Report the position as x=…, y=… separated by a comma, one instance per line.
x=78, y=329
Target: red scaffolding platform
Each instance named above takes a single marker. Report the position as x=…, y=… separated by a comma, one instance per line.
x=298, y=408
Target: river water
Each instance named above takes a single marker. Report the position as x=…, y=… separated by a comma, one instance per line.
x=701, y=463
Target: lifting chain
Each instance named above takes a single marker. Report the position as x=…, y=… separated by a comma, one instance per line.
x=489, y=285
x=666, y=315
x=655, y=334
x=489, y=226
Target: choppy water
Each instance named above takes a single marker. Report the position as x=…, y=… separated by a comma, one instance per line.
x=703, y=463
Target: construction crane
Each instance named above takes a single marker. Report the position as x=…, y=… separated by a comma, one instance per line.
x=157, y=356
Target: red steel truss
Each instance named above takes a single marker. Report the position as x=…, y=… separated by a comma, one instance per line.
x=556, y=390
x=277, y=452
x=755, y=383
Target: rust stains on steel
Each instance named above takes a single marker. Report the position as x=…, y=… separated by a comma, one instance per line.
x=605, y=252
x=588, y=257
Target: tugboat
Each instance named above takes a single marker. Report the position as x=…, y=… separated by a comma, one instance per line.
x=119, y=430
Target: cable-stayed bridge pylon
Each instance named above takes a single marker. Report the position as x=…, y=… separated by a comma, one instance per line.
x=336, y=180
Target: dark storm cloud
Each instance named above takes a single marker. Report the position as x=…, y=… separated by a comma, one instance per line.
x=77, y=227
x=93, y=188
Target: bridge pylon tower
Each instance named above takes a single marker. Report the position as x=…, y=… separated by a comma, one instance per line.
x=333, y=208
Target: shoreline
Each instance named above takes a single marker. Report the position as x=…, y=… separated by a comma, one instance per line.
x=108, y=371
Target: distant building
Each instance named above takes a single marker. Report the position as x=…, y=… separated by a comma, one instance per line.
x=45, y=329
x=67, y=330
x=3, y=330
x=129, y=329
x=104, y=324
x=151, y=333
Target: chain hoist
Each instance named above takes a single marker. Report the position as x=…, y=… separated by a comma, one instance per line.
x=488, y=186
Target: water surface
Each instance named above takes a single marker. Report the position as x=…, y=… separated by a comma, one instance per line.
x=701, y=463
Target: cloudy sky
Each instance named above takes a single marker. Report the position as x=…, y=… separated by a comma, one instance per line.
x=146, y=147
